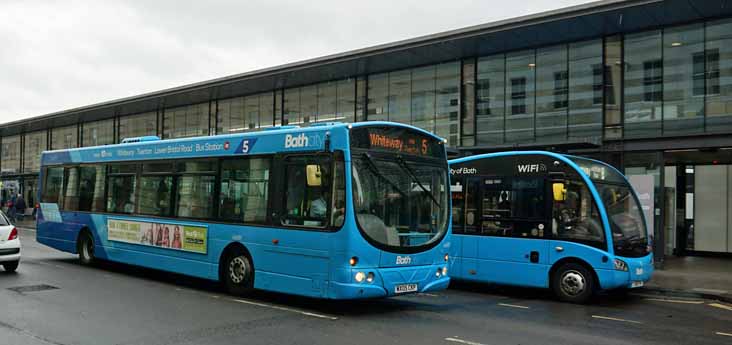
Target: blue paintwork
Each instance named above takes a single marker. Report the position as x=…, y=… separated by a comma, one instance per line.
x=502, y=259
x=303, y=262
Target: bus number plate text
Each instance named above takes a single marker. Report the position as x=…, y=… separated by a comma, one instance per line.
x=404, y=288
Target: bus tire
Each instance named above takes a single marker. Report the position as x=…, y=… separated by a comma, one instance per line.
x=238, y=273
x=11, y=266
x=573, y=283
x=85, y=248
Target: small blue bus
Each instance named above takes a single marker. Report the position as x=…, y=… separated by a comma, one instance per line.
x=541, y=219
x=338, y=211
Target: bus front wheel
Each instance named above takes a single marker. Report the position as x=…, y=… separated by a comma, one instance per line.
x=85, y=247
x=238, y=273
x=573, y=283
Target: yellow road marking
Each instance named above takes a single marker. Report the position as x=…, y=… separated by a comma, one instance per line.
x=675, y=300
x=513, y=306
x=613, y=319
x=720, y=306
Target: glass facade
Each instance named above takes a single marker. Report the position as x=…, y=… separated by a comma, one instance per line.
x=585, y=90
x=718, y=76
x=10, y=154
x=64, y=138
x=188, y=121
x=240, y=114
x=138, y=125
x=552, y=94
x=97, y=133
x=490, y=100
x=683, y=80
x=324, y=102
x=643, y=91
x=425, y=97
x=34, y=144
x=671, y=81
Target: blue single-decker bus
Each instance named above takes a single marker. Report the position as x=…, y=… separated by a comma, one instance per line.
x=541, y=219
x=333, y=210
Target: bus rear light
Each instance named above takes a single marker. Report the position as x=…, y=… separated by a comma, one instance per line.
x=13, y=234
x=353, y=261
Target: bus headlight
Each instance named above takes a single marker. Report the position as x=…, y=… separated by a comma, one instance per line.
x=446, y=257
x=360, y=277
x=620, y=265
x=444, y=271
x=370, y=277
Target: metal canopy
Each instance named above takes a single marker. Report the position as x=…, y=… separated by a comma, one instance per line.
x=592, y=20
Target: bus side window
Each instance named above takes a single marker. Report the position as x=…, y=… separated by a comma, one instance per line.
x=576, y=217
x=245, y=190
x=53, y=186
x=307, y=191
x=513, y=207
x=121, y=188
x=457, y=192
x=339, y=191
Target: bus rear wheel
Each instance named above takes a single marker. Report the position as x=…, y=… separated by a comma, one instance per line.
x=573, y=283
x=85, y=248
x=238, y=273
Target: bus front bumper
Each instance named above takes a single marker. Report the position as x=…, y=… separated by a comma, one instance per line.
x=638, y=274
x=392, y=281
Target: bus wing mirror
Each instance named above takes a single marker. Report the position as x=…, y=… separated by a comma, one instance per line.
x=314, y=175
x=559, y=191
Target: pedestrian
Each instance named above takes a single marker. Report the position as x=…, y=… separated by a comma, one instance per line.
x=20, y=207
x=11, y=208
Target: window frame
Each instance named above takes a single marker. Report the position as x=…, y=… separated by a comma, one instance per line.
x=275, y=187
x=268, y=222
x=279, y=208
x=545, y=219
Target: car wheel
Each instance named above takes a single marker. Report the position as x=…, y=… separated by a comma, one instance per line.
x=573, y=283
x=85, y=247
x=238, y=273
x=11, y=266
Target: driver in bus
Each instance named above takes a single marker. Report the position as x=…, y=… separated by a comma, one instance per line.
x=318, y=206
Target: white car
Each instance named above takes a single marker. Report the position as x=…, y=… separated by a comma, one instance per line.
x=9, y=244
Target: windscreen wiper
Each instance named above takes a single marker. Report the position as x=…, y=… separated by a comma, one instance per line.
x=401, y=161
x=375, y=170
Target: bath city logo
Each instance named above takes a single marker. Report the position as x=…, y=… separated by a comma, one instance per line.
x=301, y=140
x=403, y=260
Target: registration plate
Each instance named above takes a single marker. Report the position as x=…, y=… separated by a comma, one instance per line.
x=636, y=284
x=404, y=288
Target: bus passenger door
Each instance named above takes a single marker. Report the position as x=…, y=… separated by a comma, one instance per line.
x=512, y=248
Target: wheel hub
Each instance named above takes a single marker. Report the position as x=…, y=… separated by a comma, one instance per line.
x=573, y=283
x=238, y=270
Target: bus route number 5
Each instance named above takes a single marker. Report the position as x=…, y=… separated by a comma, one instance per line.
x=246, y=145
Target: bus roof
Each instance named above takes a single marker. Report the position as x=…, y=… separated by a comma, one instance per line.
x=508, y=153
x=578, y=163
x=285, y=139
x=272, y=140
